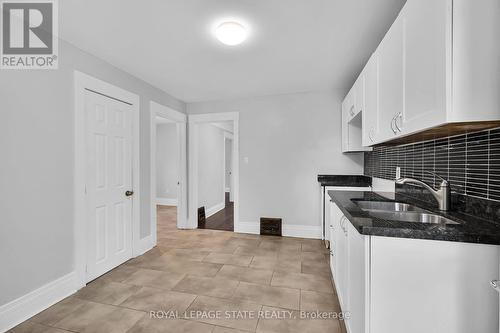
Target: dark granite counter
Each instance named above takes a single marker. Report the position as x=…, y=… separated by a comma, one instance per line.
x=345, y=180
x=470, y=230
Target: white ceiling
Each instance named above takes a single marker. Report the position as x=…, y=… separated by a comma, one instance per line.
x=294, y=46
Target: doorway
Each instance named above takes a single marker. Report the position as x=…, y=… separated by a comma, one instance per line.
x=168, y=170
x=106, y=176
x=213, y=171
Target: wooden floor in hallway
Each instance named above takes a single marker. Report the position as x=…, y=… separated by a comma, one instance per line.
x=224, y=219
x=202, y=272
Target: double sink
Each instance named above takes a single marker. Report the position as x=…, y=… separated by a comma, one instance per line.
x=398, y=211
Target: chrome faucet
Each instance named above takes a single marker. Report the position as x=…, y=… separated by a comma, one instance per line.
x=442, y=195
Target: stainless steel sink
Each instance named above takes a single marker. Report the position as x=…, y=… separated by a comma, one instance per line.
x=412, y=217
x=388, y=206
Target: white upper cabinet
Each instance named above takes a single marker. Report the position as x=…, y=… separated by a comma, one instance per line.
x=426, y=43
x=371, y=110
x=352, y=118
x=390, y=79
x=437, y=65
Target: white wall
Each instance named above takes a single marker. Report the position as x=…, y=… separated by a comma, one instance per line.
x=288, y=140
x=167, y=162
x=210, y=166
x=36, y=172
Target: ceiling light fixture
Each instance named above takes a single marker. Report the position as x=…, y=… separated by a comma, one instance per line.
x=231, y=33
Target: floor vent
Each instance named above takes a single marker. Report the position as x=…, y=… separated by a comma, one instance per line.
x=270, y=226
x=201, y=218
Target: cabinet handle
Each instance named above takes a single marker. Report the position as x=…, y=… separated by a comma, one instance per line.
x=370, y=134
x=398, y=116
x=392, y=124
x=351, y=111
x=495, y=284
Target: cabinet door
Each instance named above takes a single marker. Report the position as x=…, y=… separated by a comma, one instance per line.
x=359, y=94
x=357, y=279
x=370, y=110
x=426, y=36
x=342, y=263
x=335, y=215
x=344, y=121
x=390, y=62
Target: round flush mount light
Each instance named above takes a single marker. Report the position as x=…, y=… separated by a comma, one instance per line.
x=231, y=33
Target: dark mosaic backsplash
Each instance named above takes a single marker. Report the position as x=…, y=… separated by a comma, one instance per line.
x=471, y=162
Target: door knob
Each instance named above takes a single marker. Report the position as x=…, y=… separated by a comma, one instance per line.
x=129, y=193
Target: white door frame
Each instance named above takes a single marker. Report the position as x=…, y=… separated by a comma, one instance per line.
x=228, y=137
x=180, y=119
x=194, y=121
x=82, y=83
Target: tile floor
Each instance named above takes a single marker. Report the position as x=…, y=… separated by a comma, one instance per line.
x=203, y=270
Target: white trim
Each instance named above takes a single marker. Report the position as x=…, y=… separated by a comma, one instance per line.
x=166, y=202
x=25, y=307
x=248, y=228
x=228, y=189
x=194, y=121
x=158, y=110
x=214, y=209
x=222, y=128
x=300, y=231
x=81, y=82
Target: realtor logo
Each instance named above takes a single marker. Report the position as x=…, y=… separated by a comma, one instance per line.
x=29, y=34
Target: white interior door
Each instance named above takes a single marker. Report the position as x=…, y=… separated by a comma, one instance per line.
x=108, y=178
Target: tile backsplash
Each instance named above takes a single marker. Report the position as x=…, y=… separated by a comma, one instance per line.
x=471, y=162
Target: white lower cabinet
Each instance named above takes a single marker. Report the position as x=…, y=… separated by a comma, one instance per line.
x=394, y=285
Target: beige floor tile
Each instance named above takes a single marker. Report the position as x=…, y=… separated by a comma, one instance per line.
x=313, y=245
x=154, y=278
x=151, y=325
x=106, y=292
x=256, y=251
x=179, y=266
x=216, y=287
x=296, y=325
x=314, y=301
x=302, y=281
x=187, y=254
x=267, y=295
x=95, y=317
x=316, y=268
x=229, y=308
x=219, y=329
x=120, y=273
x=59, y=310
x=31, y=327
x=151, y=299
x=246, y=274
x=229, y=259
x=285, y=265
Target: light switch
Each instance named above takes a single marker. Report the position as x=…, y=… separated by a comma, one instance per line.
x=245, y=159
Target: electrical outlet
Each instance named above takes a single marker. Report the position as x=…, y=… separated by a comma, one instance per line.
x=398, y=172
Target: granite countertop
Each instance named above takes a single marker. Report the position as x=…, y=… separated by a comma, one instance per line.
x=345, y=180
x=470, y=229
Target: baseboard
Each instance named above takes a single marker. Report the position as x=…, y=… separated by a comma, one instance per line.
x=301, y=231
x=145, y=244
x=247, y=228
x=166, y=202
x=214, y=209
x=25, y=307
